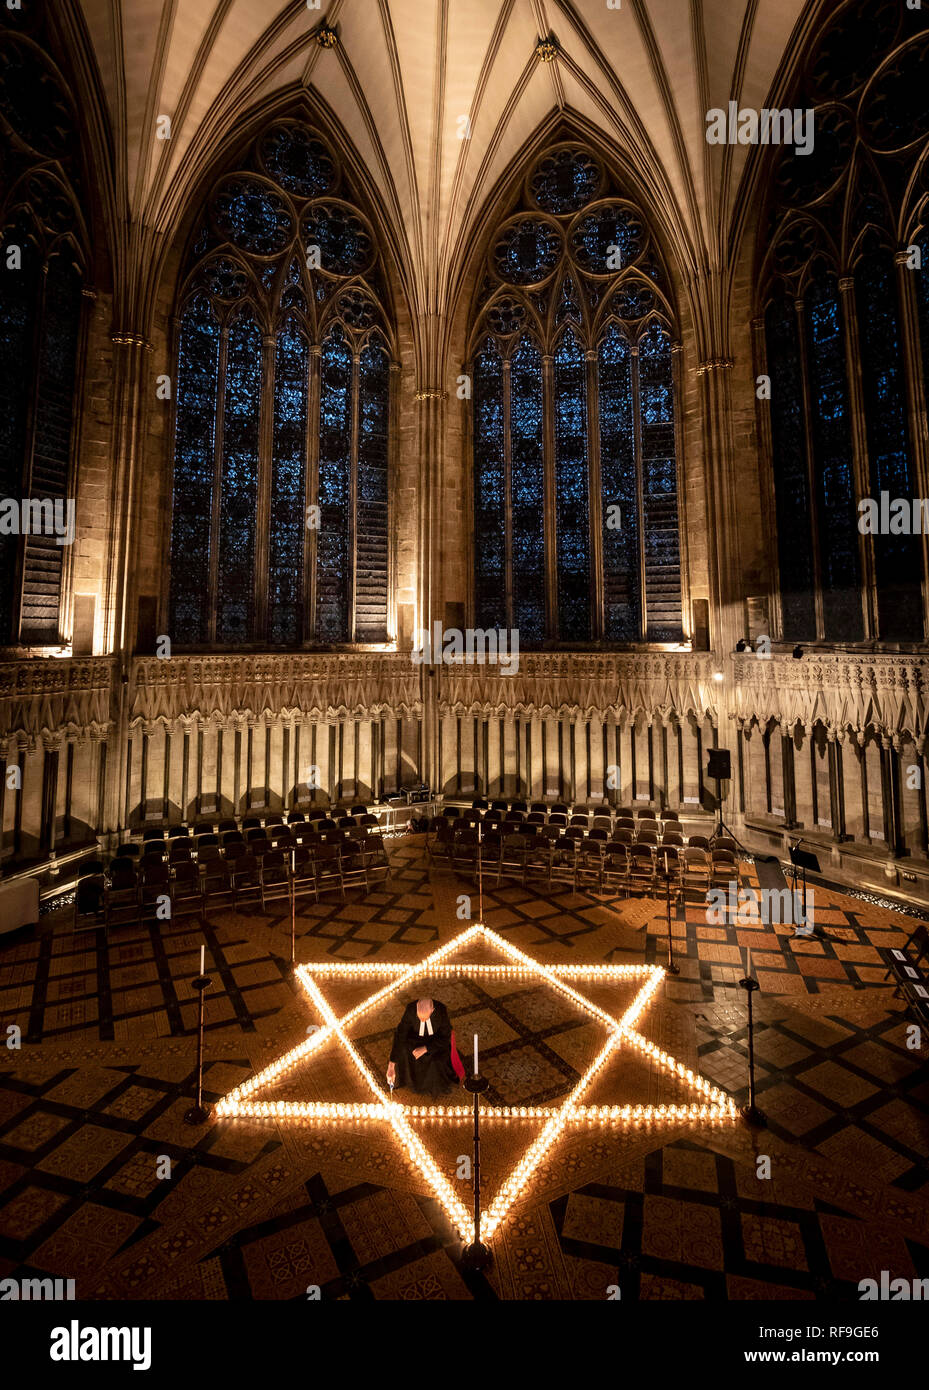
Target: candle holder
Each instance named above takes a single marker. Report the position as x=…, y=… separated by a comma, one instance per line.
x=477, y=1256
x=199, y=1114
x=750, y=1112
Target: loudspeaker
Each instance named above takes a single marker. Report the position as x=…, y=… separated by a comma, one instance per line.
x=718, y=764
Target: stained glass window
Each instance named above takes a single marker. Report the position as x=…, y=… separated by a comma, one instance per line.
x=897, y=557
x=41, y=312
x=280, y=527
x=833, y=220
x=575, y=461
x=571, y=485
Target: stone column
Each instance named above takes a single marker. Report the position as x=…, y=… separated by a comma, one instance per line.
x=836, y=741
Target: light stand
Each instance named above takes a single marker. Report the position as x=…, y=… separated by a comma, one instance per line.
x=476, y=1257
x=721, y=828
x=671, y=968
x=293, y=908
x=802, y=859
x=750, y=1112
x=199, y=1114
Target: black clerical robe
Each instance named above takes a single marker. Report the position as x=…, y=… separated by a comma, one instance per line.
x=432, y=1074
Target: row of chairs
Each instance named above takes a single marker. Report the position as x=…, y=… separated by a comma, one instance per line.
x=236, y=874
x=578, y=808
x=592, y=864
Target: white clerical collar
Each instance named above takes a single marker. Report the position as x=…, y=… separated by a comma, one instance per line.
x=425, y=1026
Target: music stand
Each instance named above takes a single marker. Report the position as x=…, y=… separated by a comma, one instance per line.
x=802, y=859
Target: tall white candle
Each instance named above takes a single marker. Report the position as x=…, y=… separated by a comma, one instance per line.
x=748, y=967
x=475, y=1054
x=202, y=958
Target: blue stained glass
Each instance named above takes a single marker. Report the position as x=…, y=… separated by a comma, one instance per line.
x=235, y=609
x=565, y=181
x=332, y=545
x=898, y=562
x=837, y=528
x=297, y=160
x=619, y=484
x=372, y=544
x=253, y=216
x=572, y=509
x=489, y=489
x=527, y=252
x=288, y=487
x=791, y=489
x=659, y=488
x=607, y=240
x=194, y=467
x=527, y=491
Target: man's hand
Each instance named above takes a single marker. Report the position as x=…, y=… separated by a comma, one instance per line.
x=419, y=1052
x=391, y=1073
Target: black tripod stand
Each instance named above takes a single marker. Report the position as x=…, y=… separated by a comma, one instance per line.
x=721, y=829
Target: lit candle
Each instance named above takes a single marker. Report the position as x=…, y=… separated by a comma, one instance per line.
x=202, y=958
x=475, y=1054
x=748, y=967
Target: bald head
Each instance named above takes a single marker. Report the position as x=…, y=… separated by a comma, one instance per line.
x=423, y=1008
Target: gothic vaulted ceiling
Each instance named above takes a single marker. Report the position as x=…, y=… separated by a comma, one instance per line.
x=405, y=74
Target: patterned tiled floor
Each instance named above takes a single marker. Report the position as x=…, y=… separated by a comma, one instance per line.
x=101, y=1180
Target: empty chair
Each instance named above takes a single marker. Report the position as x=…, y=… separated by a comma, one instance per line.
x=645, y=813
x=651, y=825
x=129, y=851
x=207, y=852
x=479, y=804
x=499, y=805
x=667, y=815
x=327, y=823
x=519, y=806
x=563, y=864
x=228, y=824
x=599, y=832
x=348, y=823
x=89, y=896
x=274, y=877
x=535, y=818
x=354, y=864
x=602, y=823
x=231, y=837
x=622, y=837
x=623, y=811
x=121, y=897
x=316, y=813
x=538, y=859
x=574, y=832
x=512, y=859
x=538, y=806
x=615, y=868
x=695, y=869
x=725, y=842
x=552, y=832
x=698, y=842
x=178, y=832
x=274, y=818
x=558, y=818
x=590, y=865
x=724, y=867
x=493, y=817
x=122, y=862
x=244, y=875
x=641, y=868
x=672, y=837
x=580, y=821
x=151, y=834
x=203, y=827
x=377, y=860
x=154, y=890
x=329, y=869
x=251, y=823
x=370, y=823
x=452, y=812
x=625, y=823
x=180, y=853
x=206, y=840
x=359, y=810
x=186, y=890
x=217, y=882
x=647, y=837
x=295, y=818
x=236, y=849
x=464, y=849
x=254, y=832
x=561, y=807
x=514, y=817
